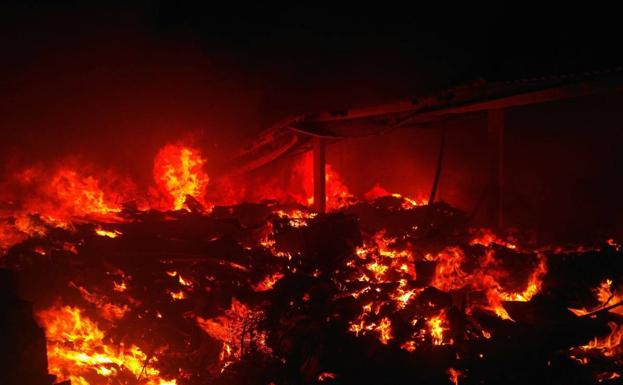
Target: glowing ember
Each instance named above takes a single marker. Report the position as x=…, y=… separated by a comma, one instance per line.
x=268, y=282
x=235, y=330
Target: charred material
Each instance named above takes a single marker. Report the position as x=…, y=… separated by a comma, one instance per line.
x=379, y=292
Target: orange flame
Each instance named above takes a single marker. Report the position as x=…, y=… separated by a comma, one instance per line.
x=78, y=351
x=437, y=326
x=454, y=375
x=178, y=172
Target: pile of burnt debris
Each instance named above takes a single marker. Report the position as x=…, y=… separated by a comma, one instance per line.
x=379, y=292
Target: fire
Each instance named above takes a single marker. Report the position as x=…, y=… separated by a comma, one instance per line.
x=79, y=351
x=235, y=331
x=405, y=292
x=268, y=282
x=437, y=327
x=488, y=276
x=184, y=282
x=59, y=197
x=385, y=330
x=338, y=193
x=120, y=287
x=384, y=260
x=449, y=273
x=76, y=195
x=177, y=295
x=326, y=376
x=179, y=172
x=606, y=296
x=377, y=191
x=454, y=375
x=533, y=287
x=609, y=345
x=486, y=237
x=107, y=233
x=107, y=310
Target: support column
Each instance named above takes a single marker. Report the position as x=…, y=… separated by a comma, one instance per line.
x=320, y=194
x=495, y=133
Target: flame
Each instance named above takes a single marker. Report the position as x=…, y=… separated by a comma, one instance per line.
x=58, y=197
x=454, y=375
x=377, y=191
x=177, y=295
x=383, y=260
x=107, y=233
x=78, y=351
x=336, y=190
x=606, y=297
x=437, y=326
x=326, y=376
x=178, y=172
x=76, y=195
x=382, y=272
x=268, y=282
x=184, y=282
x=486, y=237
x=107, y=310
x=449, y=274
x=120, y=287
x=385, y=330
x=609, y=345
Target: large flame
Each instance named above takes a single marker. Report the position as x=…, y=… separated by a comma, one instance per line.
x=179, y=172
x=78, y=350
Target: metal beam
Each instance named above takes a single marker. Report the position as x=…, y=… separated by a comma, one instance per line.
x=495, y=134
x=295, y=133
x=320, y=194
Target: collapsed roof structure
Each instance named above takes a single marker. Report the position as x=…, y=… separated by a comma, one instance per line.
x=309, y=131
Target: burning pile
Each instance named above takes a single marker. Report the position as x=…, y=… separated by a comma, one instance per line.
x=175, y=289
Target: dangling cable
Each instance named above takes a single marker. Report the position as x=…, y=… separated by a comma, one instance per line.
x=442, y=145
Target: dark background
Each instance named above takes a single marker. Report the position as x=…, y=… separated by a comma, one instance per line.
x=114, y=82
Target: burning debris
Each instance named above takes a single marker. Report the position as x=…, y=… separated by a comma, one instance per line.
x=176, y=289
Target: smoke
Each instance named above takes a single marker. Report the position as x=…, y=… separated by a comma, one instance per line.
x=112, y=92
